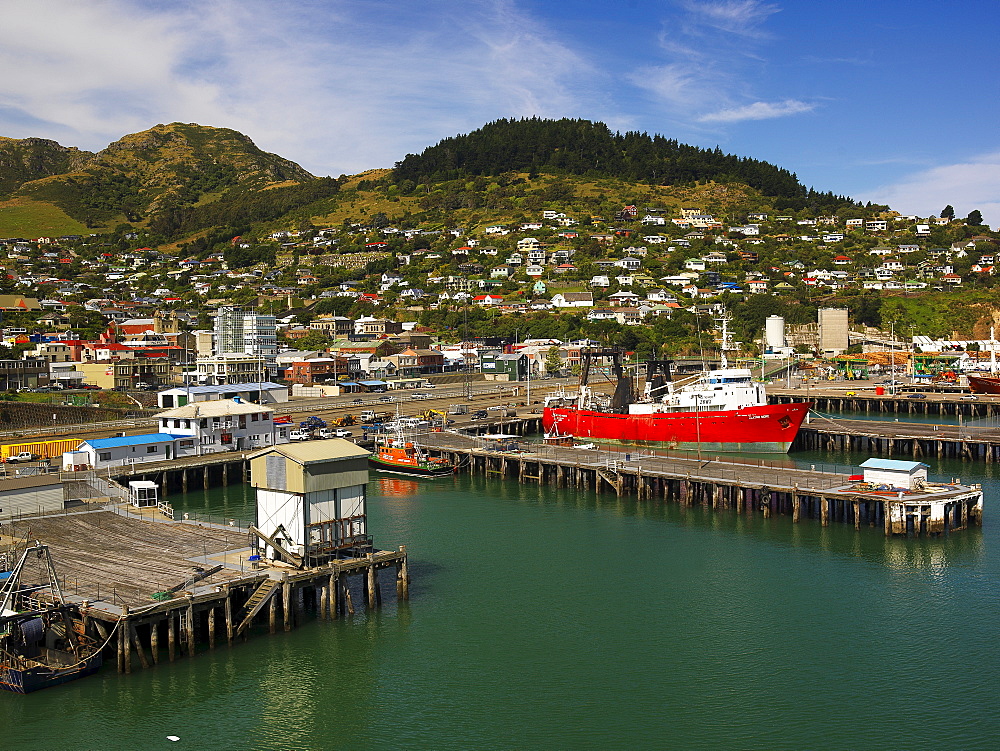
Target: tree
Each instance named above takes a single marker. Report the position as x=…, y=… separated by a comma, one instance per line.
x=553, y=360
x=948, y=212
x=975, y=218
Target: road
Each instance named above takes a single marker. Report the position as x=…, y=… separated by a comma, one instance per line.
x=484, y=395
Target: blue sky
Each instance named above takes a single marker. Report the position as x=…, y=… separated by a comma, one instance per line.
x=893, y=102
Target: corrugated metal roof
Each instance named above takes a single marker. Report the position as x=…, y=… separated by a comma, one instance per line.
x=131, y=440
x=225, y=389
x=214, y=408
x=896, y=464
x=316, y=452
x=32, y=481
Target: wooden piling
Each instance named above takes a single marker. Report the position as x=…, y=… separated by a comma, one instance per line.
x=370, y=577
x=125, y=636
x=286, y=603
x=189, y=623
x=137, y=645
x=171, y=636
x=228, y=612
x=154, y=641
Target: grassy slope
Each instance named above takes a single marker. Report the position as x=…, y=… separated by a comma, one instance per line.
x=23, y=217
x=358, y=206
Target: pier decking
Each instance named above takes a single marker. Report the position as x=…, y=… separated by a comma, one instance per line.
x=917, y=440
x=149, y=585
x=767, y=487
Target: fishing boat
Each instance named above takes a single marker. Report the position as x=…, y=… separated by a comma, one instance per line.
x=721, y=410
x=42, y=639
x=403, y=455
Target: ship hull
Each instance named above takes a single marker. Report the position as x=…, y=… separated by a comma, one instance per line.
x=409, y=469
x=768, y=428
x=27, y=680
x=984, y=385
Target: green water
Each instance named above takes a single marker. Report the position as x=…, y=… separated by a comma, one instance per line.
x=552, y=619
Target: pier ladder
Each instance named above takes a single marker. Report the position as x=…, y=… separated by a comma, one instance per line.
x=257, y=601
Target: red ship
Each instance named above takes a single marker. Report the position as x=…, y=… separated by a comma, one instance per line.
x=984, y=384
x=719, y=410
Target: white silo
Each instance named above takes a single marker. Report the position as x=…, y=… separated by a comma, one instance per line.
x=774, y=332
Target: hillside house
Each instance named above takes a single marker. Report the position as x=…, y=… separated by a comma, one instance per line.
x=487, y=300
x=572, y=300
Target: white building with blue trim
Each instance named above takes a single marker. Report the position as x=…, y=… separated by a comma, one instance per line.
x=191, y=430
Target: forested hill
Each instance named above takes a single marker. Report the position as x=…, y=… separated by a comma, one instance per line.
x=582, y=147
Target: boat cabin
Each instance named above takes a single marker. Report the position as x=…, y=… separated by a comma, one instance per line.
x=501, y=442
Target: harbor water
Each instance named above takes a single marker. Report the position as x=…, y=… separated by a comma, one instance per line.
x=551, y=618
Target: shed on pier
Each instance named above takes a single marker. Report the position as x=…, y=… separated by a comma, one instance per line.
x=311, y=497
x=894, y=472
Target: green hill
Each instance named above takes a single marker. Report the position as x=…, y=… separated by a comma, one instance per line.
x=582, y=147
x=165, y=169
x=25, y=159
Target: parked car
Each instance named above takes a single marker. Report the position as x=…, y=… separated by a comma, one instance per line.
x=479, y=414
x=385, y=398
x=358, y=401
x=342, y=433
x=420, y=395
x=969, y=397
x=916, y=396
x=299, y=435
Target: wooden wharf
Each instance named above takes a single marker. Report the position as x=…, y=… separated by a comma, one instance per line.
x=908, y=439
x=764, y=487
x=154, y=589
x=910, y=400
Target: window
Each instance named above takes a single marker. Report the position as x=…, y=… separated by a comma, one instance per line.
x=186, y=444
x=151, y=449
x=104, y=456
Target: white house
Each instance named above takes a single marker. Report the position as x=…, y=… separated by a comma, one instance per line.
x=572, y=300
x=223, y=425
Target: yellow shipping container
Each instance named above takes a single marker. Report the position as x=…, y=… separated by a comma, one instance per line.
x=44, y=449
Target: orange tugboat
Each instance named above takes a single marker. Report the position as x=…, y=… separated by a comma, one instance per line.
x=394, y=453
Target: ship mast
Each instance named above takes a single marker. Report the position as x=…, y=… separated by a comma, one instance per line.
x=727, y=344
x=993, y=352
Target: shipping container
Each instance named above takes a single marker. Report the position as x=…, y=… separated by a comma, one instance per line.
x=44, y=449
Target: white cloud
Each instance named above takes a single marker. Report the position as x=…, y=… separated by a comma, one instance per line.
x=711, y=54
x=742, y=17
x=328, y=83
x=757, y=111
x=974, y=184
